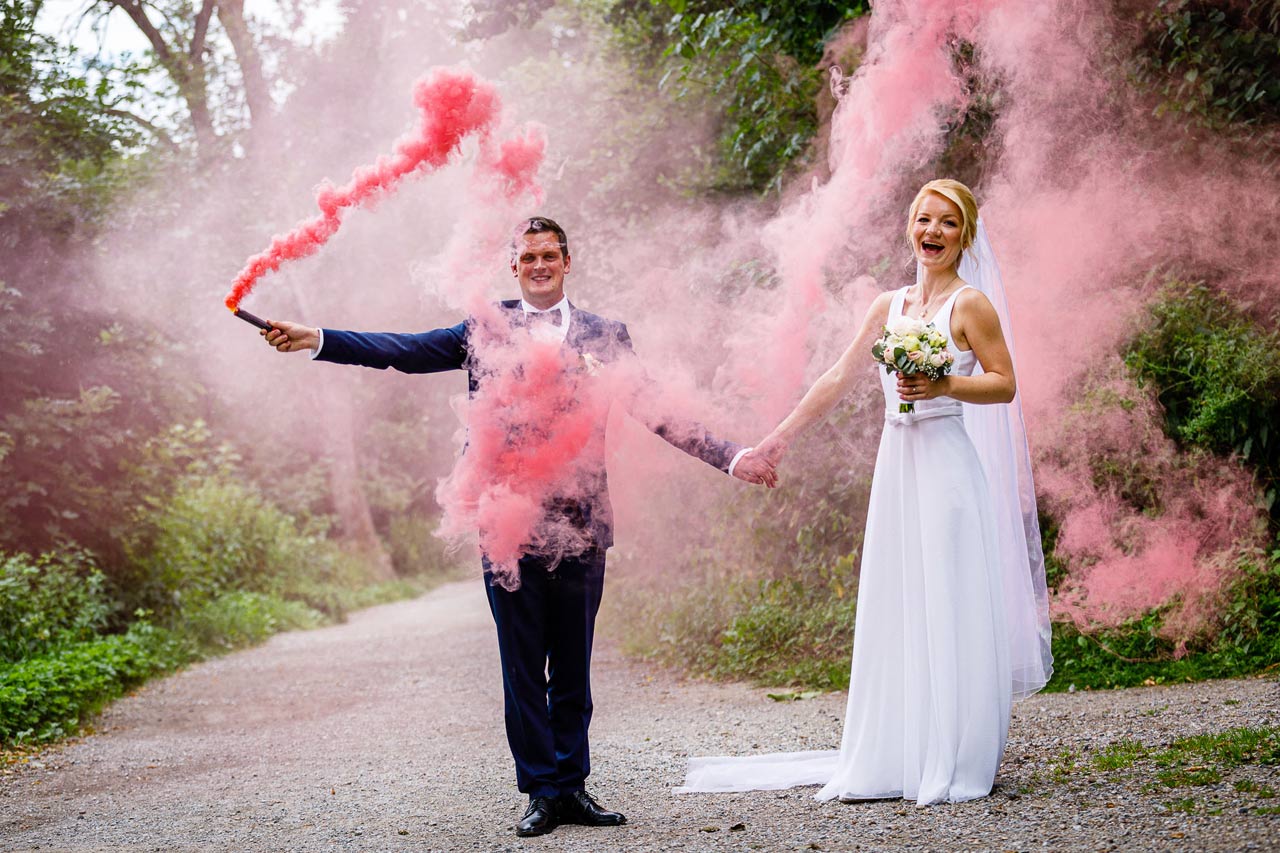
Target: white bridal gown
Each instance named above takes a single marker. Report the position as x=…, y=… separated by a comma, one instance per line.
x=931, y=687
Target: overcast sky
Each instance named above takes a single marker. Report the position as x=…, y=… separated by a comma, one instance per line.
x=117, y=34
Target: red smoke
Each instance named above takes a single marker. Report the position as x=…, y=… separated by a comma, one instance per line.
x=454, y=105
x=534, y=433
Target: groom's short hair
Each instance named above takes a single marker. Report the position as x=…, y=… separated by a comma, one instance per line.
x=544, y=225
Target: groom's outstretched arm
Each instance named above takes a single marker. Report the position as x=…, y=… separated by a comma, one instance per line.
x=423, y=352
x=645, y=404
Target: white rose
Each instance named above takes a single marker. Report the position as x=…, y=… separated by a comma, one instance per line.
x=901, y=327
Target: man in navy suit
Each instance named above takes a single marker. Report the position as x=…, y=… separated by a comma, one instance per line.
x=545, y=626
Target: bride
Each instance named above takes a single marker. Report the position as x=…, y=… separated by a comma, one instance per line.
x=952, y=619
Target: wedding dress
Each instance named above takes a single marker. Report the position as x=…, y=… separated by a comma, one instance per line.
x=952, y=617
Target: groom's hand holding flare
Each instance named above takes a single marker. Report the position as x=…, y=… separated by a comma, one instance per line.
x=291, y=337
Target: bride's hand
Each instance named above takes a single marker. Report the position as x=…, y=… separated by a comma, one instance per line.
x=916, y=387
x=754, y=468
x=772, y=449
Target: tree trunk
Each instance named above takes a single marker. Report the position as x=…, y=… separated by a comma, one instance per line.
x=185, y=68
x=344, y=485
x=256, y=92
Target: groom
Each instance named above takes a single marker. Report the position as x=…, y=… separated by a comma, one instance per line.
x=545, y=626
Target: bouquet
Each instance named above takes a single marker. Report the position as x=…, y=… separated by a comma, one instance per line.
x=913, y=346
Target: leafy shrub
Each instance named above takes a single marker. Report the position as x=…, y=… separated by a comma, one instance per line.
x=1216, y=61
x=48, y=602
x=793, y=633
x=1248, y=640
x=237, y=619
x=769, y=595
x=790, y=630
x=210, y=536
x=757, y=64
x=216, y=535
x=1216, y=375
x=47, y=696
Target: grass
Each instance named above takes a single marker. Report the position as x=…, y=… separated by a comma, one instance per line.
x=1119, y=756
x=1197, y=761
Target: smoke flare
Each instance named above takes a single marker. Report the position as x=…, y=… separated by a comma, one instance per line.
x=454, y=104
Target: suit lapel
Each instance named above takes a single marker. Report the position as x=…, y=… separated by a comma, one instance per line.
x=578, y=322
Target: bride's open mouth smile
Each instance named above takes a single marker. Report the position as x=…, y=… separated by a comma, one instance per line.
x=930, y=249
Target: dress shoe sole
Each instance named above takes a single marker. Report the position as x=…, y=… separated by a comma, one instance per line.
x=585, y=821
x=540, y=830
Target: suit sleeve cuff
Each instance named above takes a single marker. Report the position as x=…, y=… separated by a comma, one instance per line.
x=741, y=453
x=316, y=352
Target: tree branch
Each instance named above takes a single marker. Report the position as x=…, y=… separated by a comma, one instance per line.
x=159, y=134
x=201, y=30
x=231, y=14
x=133, y=8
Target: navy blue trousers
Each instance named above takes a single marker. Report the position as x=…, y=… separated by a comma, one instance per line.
x=545, y=629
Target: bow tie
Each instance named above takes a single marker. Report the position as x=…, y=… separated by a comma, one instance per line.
x=537, y=318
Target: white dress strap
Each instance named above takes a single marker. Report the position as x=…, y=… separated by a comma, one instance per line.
x=895, y=306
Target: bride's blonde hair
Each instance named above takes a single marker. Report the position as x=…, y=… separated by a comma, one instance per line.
x=959, y=195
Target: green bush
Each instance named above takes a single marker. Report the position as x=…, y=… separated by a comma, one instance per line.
x=48, y=602
x=216, y=535
x=1215, y=61
x=793, y=633
x=46, y=697
x=1216, y=375
x=756, y=65
x=1247, y=641
x=237, y=619
x=793, y=630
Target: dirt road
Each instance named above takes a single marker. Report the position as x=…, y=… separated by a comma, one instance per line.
x=385, y=733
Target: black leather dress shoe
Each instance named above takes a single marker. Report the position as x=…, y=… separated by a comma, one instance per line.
x=539, y=818
x=582, y=809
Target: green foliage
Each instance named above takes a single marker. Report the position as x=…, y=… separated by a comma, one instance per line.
x=46, y=697
x=1216, y=376
x=215, y=535
x=1247, y=641
x=772, y=631
x=60, y=134
x=1215, y=61
x=49, y=602
x=769, y=113
x=68, y=437
x=755, y=64
x=789, y=622
x=237, y=619
x=793, y=633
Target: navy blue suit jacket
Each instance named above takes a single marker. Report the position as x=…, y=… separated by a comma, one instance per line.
x=588, y=334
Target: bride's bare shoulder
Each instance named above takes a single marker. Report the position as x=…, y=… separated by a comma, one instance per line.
x=879, y=309
x=971, y=300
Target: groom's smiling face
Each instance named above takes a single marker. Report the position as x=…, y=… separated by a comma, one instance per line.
x=540, y=266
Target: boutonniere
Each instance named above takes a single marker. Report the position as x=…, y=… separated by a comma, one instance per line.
x=590, y=364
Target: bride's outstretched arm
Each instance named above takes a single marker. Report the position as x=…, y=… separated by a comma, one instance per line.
x=832, y=386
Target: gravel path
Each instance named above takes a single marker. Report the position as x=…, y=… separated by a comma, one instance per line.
x=385, y=734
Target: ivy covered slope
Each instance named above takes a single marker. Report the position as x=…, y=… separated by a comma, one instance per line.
x=1199, y=366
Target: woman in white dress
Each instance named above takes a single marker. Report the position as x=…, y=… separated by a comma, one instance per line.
x=952, y=619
